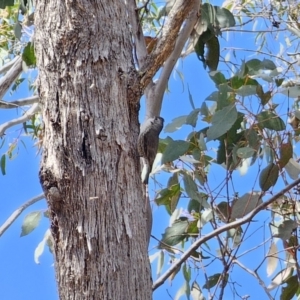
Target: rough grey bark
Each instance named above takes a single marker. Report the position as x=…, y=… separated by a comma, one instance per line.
x=90, y=171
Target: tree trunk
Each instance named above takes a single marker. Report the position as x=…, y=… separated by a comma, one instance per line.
x=90, y=169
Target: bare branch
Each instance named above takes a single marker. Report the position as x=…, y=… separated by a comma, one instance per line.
x=220, y=230
x=255, y=275
x=19, y=102
x=18, y=211
x=28, y=114
x=10, y=76
x=7, y=66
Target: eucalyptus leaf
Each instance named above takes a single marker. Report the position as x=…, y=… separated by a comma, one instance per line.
x=284, y=230
x=212, y=281
x=222, y=121
x=174, y=234
x=28, y=55
x=175, y=124
x=245, y=152
x=292, y=92
x=31, y=221
x=245, y=204
x=174, y=150
x=3, y=164
x=289, y=291
x=246, y=90
x=267, y=119
x=268, y=176
x=192, y=118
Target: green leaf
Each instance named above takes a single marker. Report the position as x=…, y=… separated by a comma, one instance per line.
x=245, y=204
x=212, y=53
x=284, y=230
x=169, y=197
x=204, y=110
x=174, y=150
x=199, y=49
x=216, y=16
x=212, y=281
x=245, y=152
x=4, y=3
x=224, y=211
x=286, y=153
x=194, y=205
x=267, y=119
x=222, y=121
x=246, y=90
x=30, y=222
x=192, y=118
x=268, y=176
x=266, y=97
x=292, y=92
x=174, y=234
x=252, y=137
x=3, y=164
x=223, y=96
x=175, y=124
x=290, y=290
x=28, y=55
x=186, y=270
x=279, y=81
x=192, y=190
x=224, y=17
x=268, y=64
x=214, y=96
x=190, y=186
x=218, y=78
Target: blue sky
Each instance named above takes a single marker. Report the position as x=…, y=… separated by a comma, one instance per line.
x=21, y=278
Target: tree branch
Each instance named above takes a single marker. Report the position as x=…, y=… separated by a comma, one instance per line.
x=7, y=66
x=154, y=96
x=137, y=32
x=166, y=43
x=19, y=102
x=18, y=211
x=28, y=114
x=10, y=76
x=220, y=230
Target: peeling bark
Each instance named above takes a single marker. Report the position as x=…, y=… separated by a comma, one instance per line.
x=90, y=170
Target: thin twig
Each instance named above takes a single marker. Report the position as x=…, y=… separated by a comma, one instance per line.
x=255, y=275
x=29, y=113
x=19, y=102
x=18, y=211
x=220, y=230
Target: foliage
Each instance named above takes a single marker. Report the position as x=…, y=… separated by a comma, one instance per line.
x=249, y=126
